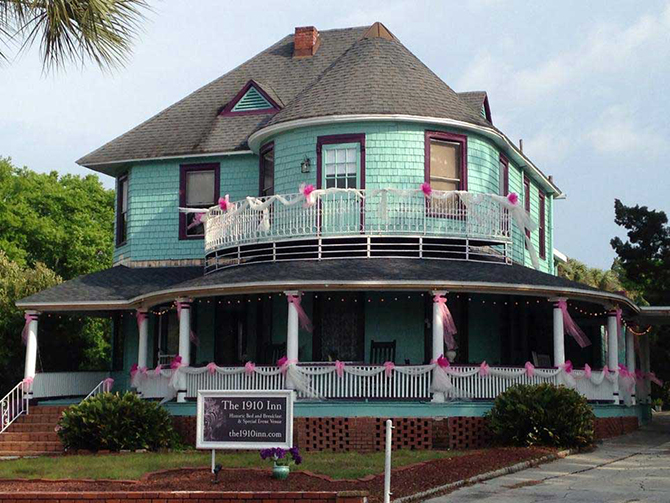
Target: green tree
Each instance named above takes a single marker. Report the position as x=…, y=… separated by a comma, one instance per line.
x=578, y=271
x=644, y=259
x=63, y=221
x=76, y=31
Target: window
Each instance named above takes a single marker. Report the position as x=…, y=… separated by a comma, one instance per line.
x=198, y=188
x=543, y=244
x=341, y=161
x=445, y=166
x=267, y=170
x=503, y=176
x=122, y=210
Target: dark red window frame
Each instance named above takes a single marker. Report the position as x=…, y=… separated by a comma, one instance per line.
x=261, y=167
x=333, y=140
x=542, y=231
x=183, y=169
x=526, y=198
x=121, y=236
x=455, y=138
x=505, y=162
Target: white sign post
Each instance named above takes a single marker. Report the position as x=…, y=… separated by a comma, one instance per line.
x=244, y=420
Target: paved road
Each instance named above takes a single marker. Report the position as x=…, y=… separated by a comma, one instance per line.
x=630, y=469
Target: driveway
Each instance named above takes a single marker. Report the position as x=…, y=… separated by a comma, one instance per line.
x=628, y=469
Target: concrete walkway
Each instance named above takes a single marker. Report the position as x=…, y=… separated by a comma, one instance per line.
x=629, y=469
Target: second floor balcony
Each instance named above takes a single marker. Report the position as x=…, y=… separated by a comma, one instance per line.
x=360, y=223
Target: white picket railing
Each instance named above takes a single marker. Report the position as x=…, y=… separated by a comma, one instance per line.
x=62, y=384
x=603, y=392
x=484, y=223
x=14, y=404
x=243, y=381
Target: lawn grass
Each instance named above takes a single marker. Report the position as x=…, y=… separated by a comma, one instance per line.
x=348, y=465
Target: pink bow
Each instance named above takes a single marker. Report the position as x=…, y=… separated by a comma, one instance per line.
x=249, y=368
x=426, y=189
x=447, y=321
x=606, y=369
x=388, y=368
x=530, y=369
x=144, y=371
x=513, y=198
x=141, y=318
x=283, y=363
x=107, y=384
x=133, y=370
x=305, y=322
x=306, y=190
x=24, y=333
x=224, y=203
x=211, y=367
x=339, y=368
x=571, y=327
x=567, y=367
x=623, y=371
x=157, y=370
x=176, y=362
x=196, y=220
x=484, y=369
x=587, y=371
x=28, y=381
x=652, y=377
x=442, y=362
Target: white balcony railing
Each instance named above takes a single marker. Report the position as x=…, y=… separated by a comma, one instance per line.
x=380, y=222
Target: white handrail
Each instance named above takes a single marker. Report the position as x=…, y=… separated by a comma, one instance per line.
x=103, y=386
x=14, y=404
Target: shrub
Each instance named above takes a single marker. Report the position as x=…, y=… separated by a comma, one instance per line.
x=542, y=414
x=113, y=421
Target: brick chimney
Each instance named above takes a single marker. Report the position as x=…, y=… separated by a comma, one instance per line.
x=306, y=42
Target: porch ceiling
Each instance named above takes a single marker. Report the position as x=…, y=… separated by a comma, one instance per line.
x=126, y=288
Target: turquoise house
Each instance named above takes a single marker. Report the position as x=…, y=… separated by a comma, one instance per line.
x=332, y=217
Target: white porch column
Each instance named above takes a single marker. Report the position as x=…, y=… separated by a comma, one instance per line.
x=559, y=334
x=292, y=334
x=31, y=348
x=630, y=357
x=184, y=343
x=143, y=341
x=613, y=349
x=438, y=337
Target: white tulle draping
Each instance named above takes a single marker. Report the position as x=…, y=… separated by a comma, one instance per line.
x=444, y=379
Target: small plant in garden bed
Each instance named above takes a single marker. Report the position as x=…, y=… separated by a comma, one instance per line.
x=115, y=422
x=542, y=414
x=281, y=460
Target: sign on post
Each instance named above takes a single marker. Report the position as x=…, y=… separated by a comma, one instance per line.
x=244, y=419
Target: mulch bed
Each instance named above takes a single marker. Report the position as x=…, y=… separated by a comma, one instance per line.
x=405, y=481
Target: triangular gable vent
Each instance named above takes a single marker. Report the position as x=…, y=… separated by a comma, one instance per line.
x=251, y=101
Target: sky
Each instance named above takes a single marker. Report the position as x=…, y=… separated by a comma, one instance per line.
x=583, y=83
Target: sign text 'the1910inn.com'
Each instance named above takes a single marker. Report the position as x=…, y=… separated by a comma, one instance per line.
x=245, y=419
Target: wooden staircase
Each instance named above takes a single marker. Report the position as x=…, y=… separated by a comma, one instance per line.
x=33, y=434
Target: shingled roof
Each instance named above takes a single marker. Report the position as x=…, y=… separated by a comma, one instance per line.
x=363, y=70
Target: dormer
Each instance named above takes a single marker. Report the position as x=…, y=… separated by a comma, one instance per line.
x=252, y=99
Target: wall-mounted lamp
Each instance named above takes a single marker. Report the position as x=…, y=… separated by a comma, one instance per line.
x=305, y=166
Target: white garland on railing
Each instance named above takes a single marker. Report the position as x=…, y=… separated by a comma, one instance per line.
x=310, y=196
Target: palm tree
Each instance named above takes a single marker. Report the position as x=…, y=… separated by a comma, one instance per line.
x=76, y=31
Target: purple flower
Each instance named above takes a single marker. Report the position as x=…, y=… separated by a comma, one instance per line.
x=266, y=453
x=297, y=458
x=280, y=453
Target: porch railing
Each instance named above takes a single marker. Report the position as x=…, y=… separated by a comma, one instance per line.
x=443, y=227
x=414, y=383
x=14, y=404
x=62, y=384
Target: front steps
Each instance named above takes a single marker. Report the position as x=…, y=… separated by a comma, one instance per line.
x=33, y=434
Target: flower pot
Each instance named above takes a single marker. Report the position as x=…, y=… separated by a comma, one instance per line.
x=658, y=408
x=280, y=472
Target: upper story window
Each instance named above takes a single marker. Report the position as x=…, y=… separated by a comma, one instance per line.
x=542, y=225
x=445, y=164
x=503, y=176
x=198, y=188
x=122, y=210
x=341, y=161
x=267, y=170
x=526, y=198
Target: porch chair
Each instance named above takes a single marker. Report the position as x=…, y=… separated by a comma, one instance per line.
x=381, y=352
